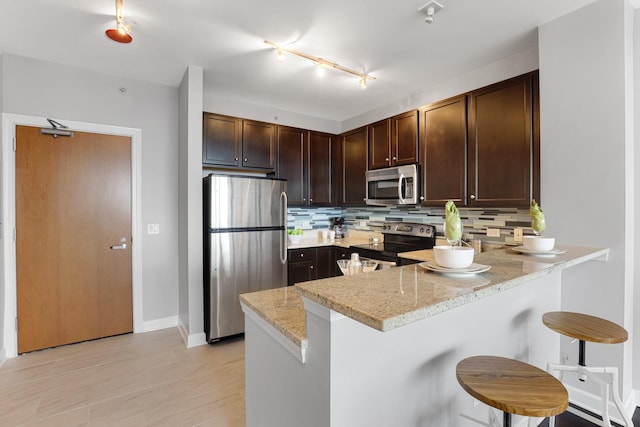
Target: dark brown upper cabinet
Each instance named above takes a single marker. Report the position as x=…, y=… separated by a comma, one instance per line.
x=350, y=174
x=304, y=160
x=222, y=140
x=483, y=148
x=321, y=192
x=504, y=143
x=258, y=145
x=443, y=151
x=234, y=142
x=292, y=164
x=394, y=141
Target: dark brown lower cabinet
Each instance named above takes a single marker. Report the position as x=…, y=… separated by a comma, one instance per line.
x=315, y=263
x=302, y=265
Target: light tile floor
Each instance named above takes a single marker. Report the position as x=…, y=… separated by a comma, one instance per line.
x=130, y=380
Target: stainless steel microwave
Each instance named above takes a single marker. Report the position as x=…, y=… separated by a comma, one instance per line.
x=393, y=186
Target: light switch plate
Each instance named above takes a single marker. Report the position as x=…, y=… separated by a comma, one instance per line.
x=493, y=232
x=517, y=234
x=153, y=228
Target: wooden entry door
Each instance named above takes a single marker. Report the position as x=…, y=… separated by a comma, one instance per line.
x=73, y=203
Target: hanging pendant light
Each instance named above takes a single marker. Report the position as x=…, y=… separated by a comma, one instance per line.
x=121, y=34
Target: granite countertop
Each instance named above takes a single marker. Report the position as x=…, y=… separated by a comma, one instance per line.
x=283, y=309
x=391, y=298
x=312, y=241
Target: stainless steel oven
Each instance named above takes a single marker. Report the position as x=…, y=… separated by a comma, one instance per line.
x=399, y=237
x=393, y=186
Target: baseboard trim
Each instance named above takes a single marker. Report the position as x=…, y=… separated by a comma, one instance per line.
x=591, y=403
x=592, y=417
x=157, y=324
x=192, y=340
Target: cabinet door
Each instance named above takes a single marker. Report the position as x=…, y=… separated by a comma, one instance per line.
x=380, y=144
x=501, y=144
x=443, y=147
x=340, y=253
x=292, y=164
x=301, y=272
x=222, y=140
x=325, y=262
x=404, y=138
x=302, y=265
x=354, y=167
x=320, y=182
x=258, y=145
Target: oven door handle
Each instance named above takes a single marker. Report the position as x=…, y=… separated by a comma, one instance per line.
x=400, y=188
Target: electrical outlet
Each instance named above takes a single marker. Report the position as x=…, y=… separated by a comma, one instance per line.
x=517, y=234
x=493, y=232
x=306, y=224
x=363, y=223
x=153, y=228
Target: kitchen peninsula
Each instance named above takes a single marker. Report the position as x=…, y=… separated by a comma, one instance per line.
x=380, y=348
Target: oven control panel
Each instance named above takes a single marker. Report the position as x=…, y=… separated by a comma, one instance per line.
x=409, y=229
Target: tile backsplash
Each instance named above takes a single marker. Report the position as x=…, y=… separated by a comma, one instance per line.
x=475, y=220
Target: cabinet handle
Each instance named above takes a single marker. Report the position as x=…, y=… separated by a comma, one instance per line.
x=386, y=159
x=236, y=159
x=311, y=267
x=472, y=197
x=301, y=255
x=421, y=198
x=245, y=160
x=395, y=158
x=304, y=200
x=310, y=200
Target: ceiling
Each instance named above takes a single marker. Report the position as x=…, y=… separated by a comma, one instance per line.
x=387, y=39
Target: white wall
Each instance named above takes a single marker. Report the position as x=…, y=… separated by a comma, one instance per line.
x=2, y=285
x=636, y=299
x=585, y=179
x=38, y=88
x=520, y=63
x=191, y=314
x=515, y=65
x=213, y=104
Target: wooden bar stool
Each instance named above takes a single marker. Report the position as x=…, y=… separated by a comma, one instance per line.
x=584, y=328
x=512, y=386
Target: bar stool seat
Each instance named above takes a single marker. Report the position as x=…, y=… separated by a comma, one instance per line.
x=512, y=386
x=586, y=328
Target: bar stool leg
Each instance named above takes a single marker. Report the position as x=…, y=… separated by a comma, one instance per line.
x=606, y=378
x=506, y=419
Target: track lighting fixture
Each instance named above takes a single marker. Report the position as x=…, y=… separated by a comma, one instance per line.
x=320, y=63
x=121, y=33
x=430, y=10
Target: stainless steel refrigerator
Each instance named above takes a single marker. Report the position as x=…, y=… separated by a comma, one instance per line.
x=245, y=246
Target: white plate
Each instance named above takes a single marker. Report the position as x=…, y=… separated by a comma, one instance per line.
x=472, y=269
x=524, y=250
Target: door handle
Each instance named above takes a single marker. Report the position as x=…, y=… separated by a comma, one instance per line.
x=122, y=246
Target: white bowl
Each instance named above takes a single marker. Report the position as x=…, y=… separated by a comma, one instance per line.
x=538, y=243
x=453, y=256
x=295, y=238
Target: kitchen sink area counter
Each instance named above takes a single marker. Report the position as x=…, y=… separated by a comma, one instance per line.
x=313, y=239
x=372, y=348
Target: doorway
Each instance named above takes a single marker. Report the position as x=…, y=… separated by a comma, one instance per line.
x=10, y=123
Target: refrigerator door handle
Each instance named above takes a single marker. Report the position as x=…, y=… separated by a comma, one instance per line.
x=283, y=241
